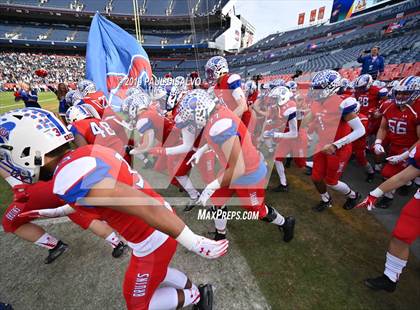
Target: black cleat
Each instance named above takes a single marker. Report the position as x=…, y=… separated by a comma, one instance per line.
x=384, y=203
x=351, y=202
x=381, y=283
x=404, y=190
x=322, y=205
x=288, y=228
x=192, y=203
x=370, y=177
x=54, y=253
x=281, y=188
x=4, y=306
x=219, y=236
x=119, y=250
x=206, y=297
x=308, y=170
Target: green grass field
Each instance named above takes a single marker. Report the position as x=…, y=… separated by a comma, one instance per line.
x=324, y=266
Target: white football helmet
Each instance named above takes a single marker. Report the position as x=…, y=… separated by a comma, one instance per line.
x=363, y=82
x=73, y=97
x=134, y=104
x=195, y=109
x=324, y=84
x=215, y=68
x=250, y=87
x=407, y=91
x=86, y=87
x=280, y=95
x=175, y=96
x=26, y=136
x=78, y=113
x=292, y=86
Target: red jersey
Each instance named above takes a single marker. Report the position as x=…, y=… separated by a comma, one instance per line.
x=79, y=170
x=96, y=100
x=224, y=124
x=99, y=132
x=283, y=114
x=252, y=98
x=402, y=124
x=369, y=100
x=225, y=86
x=328, y=118
x=161, y=125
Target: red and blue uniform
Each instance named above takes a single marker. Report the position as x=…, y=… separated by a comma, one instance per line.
x=224, y=87
x=297, y=146
x=74, y=177
x=329, y=124
x=401, y=133
x=370, y=101
x=359, y=146
x=30, y=98
x=222, y=125
x=407, y=228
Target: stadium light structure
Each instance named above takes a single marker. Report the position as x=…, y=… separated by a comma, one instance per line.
x=136, y=14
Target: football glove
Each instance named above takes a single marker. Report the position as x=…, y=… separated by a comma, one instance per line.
x=208, y=192
x=202, y=246
x=397, y=158
x=195, y=158
x=368, y=203
x=378, y=149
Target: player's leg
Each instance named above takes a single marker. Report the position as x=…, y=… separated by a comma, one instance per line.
x=359, y=151
x=22, y=228
x=336, y=164
x=282, y=150
x=253, y=200
x=219, y=199
x=318, y=175
x=89, y=221
x=406, y=231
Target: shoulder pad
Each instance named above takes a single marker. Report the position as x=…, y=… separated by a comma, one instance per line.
x=348, y=105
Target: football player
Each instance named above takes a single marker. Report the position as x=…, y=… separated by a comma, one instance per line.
x=407, y=229
x=99, y=181
x=227, y=86
x=243, y=169
x=337, y=125
x=400, y=126
x=28, y=95
x=87, y=129
x=155, y=127
x=285, y=133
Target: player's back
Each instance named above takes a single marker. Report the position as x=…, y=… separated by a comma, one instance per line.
x=225, y=87
x=224, y=124
x=81, y=169
x=99, y=132
x=369, y=100
x=96, y=100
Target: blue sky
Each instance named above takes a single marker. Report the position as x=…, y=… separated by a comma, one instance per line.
x=269, y=16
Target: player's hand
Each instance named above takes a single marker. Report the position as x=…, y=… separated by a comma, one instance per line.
x=368, y=203
x=394, y=160
x=378, y=149
x=208, y=192
x=195, y=158
x=210, y=249
x=268, y=134
x=329, y=149
x=157, y=151
x=269, y=121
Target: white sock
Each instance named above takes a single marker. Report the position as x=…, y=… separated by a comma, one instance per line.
x=394, y=267
x=175, y=278
x=113, y=239
x=280, y=171
x=186, y=183
x=378, y=167
x=164, y=298
x=47, y=241
x=343, y=188
x=309, y=164
x=325, y=197
x=369, y=168
x=279, y=220
x=221, y=222
x=191, y=296
x=390, y=194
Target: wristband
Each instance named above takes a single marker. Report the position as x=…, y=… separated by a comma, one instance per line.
x=187, y=238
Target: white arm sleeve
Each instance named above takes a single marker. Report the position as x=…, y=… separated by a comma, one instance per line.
x=57, y=212
x=188, y=139
x=238, y=93
x=292, y=133
x=358, y=131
